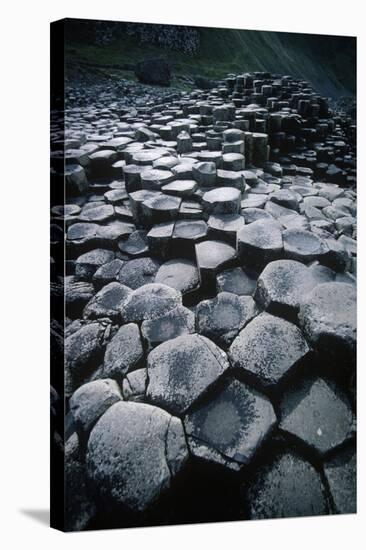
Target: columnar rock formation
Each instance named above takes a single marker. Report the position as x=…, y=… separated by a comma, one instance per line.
x=210, y=302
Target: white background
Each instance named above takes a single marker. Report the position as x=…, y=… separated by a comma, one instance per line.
x=24, y=312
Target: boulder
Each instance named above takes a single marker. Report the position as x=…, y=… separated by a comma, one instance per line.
x=150, y=444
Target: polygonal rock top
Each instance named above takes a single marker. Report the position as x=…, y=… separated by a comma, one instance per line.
x=181, y=369
x=231, y=426
x=267, y=348
x=318, y=414
x=150, y=445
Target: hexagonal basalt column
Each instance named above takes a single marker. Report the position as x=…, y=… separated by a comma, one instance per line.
x=159, y=209
x=328, y=318
x=186, y=234
x=268, y=348
x=221, y=318
x=287, y=486
x=181, y=369
x=318, y=414
x=259, y=243
x=231, y=426
x=302, y=245
x=211, y=257
x=225, y=227
x=222, y=200
x=150, y=444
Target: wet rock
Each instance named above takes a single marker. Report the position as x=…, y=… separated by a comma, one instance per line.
x=180, y=188
x=221, y=318
x=107, y=302
x=150, y=444
x=90, y=401
x=149, y=302
x=186, y=234
x=317, y=414
x=340, y=472
x=268, y=348
x=124, y=352
x=230, y=428
x=180, y=370
x=287, y=486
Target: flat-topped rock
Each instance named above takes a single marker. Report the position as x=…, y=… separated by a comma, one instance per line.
x=268, y=348
x=107, y=302
x=231, y=426
x=180, y=370
x=222, y=200
x=287, y=486
x=124, y=352
x=236, y=281
x=149, y=302
x=259, y=243
x=172, y=324
x=318, y=414
x=303, y=245
x=213, y=256
x=221, y=318
x=138, y=272
x=328, y=317
x=150, y=444
x=181, y=274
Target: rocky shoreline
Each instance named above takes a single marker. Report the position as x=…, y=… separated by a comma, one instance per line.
x=210, y=299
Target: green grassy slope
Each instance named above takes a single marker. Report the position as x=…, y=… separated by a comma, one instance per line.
x=327, y=62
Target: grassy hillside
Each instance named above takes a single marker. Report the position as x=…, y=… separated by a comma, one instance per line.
x=328, y=62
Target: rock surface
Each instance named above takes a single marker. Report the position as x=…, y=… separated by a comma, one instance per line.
x=149, y=443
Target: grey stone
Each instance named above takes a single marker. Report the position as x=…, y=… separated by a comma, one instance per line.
x=181, y=274
x=221, y=318
x=317, y=414
x=180, y=370
x=135, y=245
x=236, y=281
x=340, y=472
x=221, y=200
x=231, y=427
x=107, y=273
x=303, y=245
x=287, y=486
x=134, y=385
x=150, y=302
x=124, y=352
x=91, y=400
x=149, y=443
x=328, y=317
x=87, y=264
x=259, y=243
x=138, y=272
x=107, y=302
x=268, y=348
x=172, y=324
